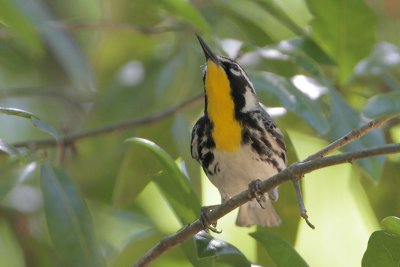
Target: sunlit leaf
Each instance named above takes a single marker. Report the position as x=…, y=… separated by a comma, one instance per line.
x=292, y=99
x=383, y=250
x=392, y=224
x=185, y=10
x=282, y=253
x=34, y=119
x=276, y=11
x=343, y=119
x=136, y=171
x=334, y=26
x=7, y=148
x=68, y=219
x=383, y=105
x=208, y=247
x=255, y=22
x=172, y=183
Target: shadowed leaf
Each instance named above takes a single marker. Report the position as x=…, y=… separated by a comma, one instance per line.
x=173, y=183
x=282, y=253
x=68, y=219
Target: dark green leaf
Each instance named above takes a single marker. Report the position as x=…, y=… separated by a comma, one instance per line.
x=35, y=120
x=292, y=99
x=208, y=247
x=181, y=136
x=60, y=42
x=282, y=253
x=392, y=225
x=9, y=173
x=173, y=183
x=20, y=25
x=383, y=105
x=343, y=119
x=68, y=219
x=383, y=250
x=308, y=52
x=345, y=30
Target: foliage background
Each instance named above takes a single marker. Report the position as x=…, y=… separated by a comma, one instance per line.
x=82, y=65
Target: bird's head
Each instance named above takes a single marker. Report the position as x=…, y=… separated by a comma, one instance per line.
x=225, y=79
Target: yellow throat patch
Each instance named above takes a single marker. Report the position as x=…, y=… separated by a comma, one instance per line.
x=221, y=109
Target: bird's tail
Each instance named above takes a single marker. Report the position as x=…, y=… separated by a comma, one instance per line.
x=251, y=213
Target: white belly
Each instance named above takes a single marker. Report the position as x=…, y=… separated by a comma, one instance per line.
x=235, y=170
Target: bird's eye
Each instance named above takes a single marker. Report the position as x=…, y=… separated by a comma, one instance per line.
x=235, y=69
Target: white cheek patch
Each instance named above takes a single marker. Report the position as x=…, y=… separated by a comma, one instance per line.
x=235, y=72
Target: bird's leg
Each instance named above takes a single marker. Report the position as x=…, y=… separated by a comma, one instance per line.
x=255, y=192
x=303, y=211
x=207, y=225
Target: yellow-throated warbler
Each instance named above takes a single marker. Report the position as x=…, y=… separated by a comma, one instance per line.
x=236, y=140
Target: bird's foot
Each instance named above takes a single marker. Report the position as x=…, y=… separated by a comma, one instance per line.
x=207, y=225
x=255, y=192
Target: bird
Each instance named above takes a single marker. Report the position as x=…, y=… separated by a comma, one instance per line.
x=236, y=141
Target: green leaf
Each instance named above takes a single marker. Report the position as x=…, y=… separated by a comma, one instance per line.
x=20, y=25
x=9, y=173
x=68, y=219
x=63, y=46
x=343, y=119
x=281, y=252
x=135, y=172
x=34, y=119
x=276, y=11
x=392, y=224
x=306, y=54
x=383, y=105
x=173, y=183
x=208, y=247
x=292, y=99
x=7, y=148
x=345, y=30
x=250, y=29
x=185, y=10
x=383, y=250
x=260, y=26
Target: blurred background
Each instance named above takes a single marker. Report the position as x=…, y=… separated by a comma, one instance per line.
x=103, y=72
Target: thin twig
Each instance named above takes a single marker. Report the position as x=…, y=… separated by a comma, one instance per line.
x=71, y=138
x=350, y=137
x=295, y=170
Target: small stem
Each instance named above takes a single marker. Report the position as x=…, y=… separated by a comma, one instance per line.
x=350, y=137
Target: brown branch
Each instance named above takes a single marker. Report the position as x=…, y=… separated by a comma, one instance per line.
x=292, y=172
x=105, y=25
x=350, y=137
x=71, y=138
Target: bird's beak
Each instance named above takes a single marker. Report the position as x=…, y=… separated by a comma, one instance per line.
x=207, y=51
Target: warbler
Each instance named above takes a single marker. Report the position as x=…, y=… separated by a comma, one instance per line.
x=236, y=141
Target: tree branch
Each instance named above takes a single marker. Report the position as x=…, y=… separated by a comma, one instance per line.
x=292, y=172
x=71, y=138
x=350, y=137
